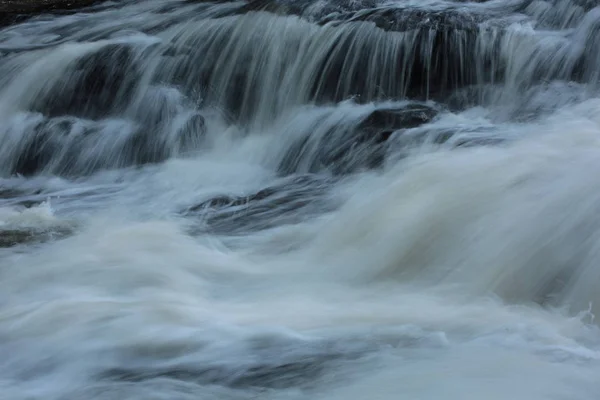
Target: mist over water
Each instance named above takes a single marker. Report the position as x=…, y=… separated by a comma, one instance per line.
x=301, y=200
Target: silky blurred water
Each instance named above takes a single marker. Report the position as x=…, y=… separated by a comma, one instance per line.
x=185, y=212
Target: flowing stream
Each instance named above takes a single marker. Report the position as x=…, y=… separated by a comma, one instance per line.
x=301, y=199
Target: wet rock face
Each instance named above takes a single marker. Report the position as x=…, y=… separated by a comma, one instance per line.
x=363, y=146
x=381, y=133
x=95, y=86
x=269, y=363
x=13, y=11
x=264, y=376
x=71, y=146
x=391, y=119
x=15, y=234
x=44, y=143
x=383, y=53
x=407, y=19
x=438, y=54
x=288, y=201
x=15, y=237
x=586, y=4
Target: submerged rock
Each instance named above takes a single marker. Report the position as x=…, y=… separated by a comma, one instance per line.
x=15, y=237
x=95, y=86
x=11, y=193
x=436, y=50
x=335, y=51
x=385, y=132
x=345, y=149
x=387, y=120
x=285, y=202
x=262, y=376
x=40, y=145
x=73, y=146
x=14, y=11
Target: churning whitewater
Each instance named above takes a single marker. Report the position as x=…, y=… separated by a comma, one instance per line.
x=301, y=199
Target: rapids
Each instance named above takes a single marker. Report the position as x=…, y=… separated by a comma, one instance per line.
x=301, y=199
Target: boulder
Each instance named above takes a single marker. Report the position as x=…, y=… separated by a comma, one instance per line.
x=439, y=54
x=41, y=145
x=95, y=86
x=70, y=146
x=284, y=202
x=14, y=11
x=344, y=150
x=15, y=237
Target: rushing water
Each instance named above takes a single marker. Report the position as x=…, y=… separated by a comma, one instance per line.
x=301, y=200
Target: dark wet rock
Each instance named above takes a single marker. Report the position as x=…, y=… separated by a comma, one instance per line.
x=163, y=126
x=392, y=119
x=193, y=132
x=63, y=146
x=263, y=194
x=402, y=144
x=456, y=138
x=436, y=53
x=478, y=142
x=267, y=362
x=535, y=102
x=453, y=46
x=14, y=11
x=153, y=145
x=9, y=238
x=472, y=96
x=311, y=9
x=444, y=49
x=158, y=137
x=383, y=133
x=285, y=202
x=393, y=17
x=300, y=7
x=347, y=149
x=265, y=376
x=587, y=65
x=408, y=19
x=15, y=237
x=96, y=86
x=196, y=69
x=587, y=5
x=276, y=7
x=203, y=1
x=439, y=53
x=11, y=193
x=41, y=145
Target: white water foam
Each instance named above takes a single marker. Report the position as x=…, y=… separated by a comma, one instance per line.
x=454, y=273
